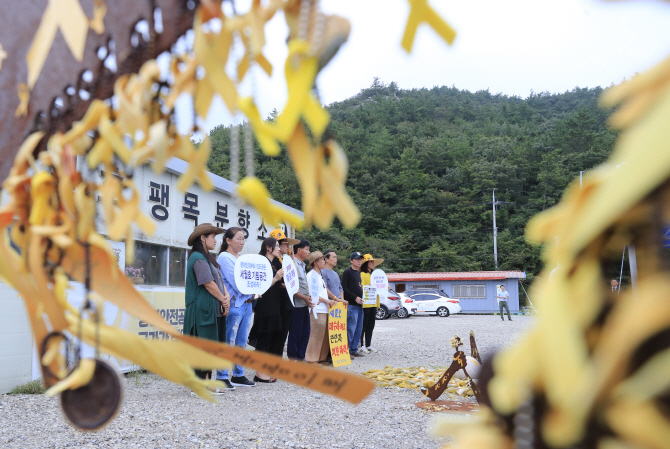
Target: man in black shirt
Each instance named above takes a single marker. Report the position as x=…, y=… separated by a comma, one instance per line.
x=353, y=294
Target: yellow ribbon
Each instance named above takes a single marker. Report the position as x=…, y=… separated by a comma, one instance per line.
x=421, y=12
x=24, y=97
x=252, y=190
x=66, y=16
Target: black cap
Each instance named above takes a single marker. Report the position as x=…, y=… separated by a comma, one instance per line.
x=356, y=255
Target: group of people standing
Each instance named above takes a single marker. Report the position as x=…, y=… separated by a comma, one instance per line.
x=217, y=310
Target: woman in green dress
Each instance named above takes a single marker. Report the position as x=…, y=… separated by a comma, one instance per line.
x=207, y=300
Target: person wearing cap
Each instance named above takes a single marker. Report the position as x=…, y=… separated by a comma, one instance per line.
x=318, y=347
x=298, y=335
x=286, y=310
x=206, y=297
x=238, y=322
x=369, y=312
x=353, y=294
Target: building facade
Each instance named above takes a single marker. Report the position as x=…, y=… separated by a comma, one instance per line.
x=476, y=290
x=159, y=268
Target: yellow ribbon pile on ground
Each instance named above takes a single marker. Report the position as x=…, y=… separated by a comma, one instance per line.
x=416, y=377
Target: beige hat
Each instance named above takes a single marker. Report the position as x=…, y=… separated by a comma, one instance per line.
x=313, y=256
x=203, y=229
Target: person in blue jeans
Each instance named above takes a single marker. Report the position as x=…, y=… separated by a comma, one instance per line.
x=353, y=294
x=238, y=322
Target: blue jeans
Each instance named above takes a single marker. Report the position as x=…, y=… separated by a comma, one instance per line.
x=238, y=325
x=354, y=326
x=298, y=334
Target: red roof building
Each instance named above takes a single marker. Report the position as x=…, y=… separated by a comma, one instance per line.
x=457, y=276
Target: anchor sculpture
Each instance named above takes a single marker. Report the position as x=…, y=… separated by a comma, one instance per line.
x=460, y=362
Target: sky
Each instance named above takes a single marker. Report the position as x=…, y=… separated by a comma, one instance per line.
x=511, y=47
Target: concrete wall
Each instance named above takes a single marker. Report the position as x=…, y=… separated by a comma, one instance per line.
x=475, y=305
x=16, y=341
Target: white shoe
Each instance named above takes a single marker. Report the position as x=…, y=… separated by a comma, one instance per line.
x=371, y=349
x=363, y=350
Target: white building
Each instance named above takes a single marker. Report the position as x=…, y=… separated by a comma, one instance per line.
x=159, y=269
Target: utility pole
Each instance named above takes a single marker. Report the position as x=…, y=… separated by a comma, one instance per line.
x=495, y=231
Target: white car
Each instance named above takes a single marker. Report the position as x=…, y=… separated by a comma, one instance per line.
x=433, y=303
x=408, y=306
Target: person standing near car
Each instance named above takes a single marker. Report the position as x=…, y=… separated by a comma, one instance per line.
x=353, y=293
x=369, y=312
x=298, y=335
x=286, y=311
x=503, y=296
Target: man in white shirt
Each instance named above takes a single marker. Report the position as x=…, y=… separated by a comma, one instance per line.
x=503, y=296
x=318, y=346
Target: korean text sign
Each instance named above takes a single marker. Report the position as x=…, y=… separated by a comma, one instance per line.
x=369, y=296
x=337, y=335
x=379, y=280
x=290, y=276
x=253, y=274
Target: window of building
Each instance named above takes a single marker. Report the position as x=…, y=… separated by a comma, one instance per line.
x=470, y=291
x=178, y=267
x=149, y=266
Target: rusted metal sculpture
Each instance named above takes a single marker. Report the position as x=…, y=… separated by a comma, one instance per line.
x=459, y=362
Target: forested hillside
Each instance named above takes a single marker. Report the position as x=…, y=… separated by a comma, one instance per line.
x=424, y=162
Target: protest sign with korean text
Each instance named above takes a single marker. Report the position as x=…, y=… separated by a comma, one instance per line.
x=369, y=296
x=290, y=276
x=380, y=281
x=337, y=335
x=314, y=284
x=253, y=274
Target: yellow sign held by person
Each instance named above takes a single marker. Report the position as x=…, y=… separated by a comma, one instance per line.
x=337, y=335
x=369, y=296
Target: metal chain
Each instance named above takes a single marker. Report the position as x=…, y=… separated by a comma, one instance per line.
x=317, y=34
x=235, y=154
x=249, y=149
x=303, y=19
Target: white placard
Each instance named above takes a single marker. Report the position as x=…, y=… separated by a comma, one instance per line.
x=369, y=296
x=314, y=285
x=253, y=274
x=380, y=281
x=290, y=276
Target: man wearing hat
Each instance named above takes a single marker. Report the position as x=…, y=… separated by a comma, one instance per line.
x=286, y=307
x=317, y=347
x=353, y=293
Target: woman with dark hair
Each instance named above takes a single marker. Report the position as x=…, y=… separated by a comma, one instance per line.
x=267, y=328
x=206, y=297
x=239, y=319
x=369, y=312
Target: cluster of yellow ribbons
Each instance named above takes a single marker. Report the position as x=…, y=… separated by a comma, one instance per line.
x=597, y=358
x=48, y=233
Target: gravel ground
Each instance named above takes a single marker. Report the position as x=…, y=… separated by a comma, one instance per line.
x=159, y=414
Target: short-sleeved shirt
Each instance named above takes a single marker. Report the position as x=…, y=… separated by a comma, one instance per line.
x=302, y=284
x=505, y=296
x=332, y=281
x=321, y=307
x=204, y=273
